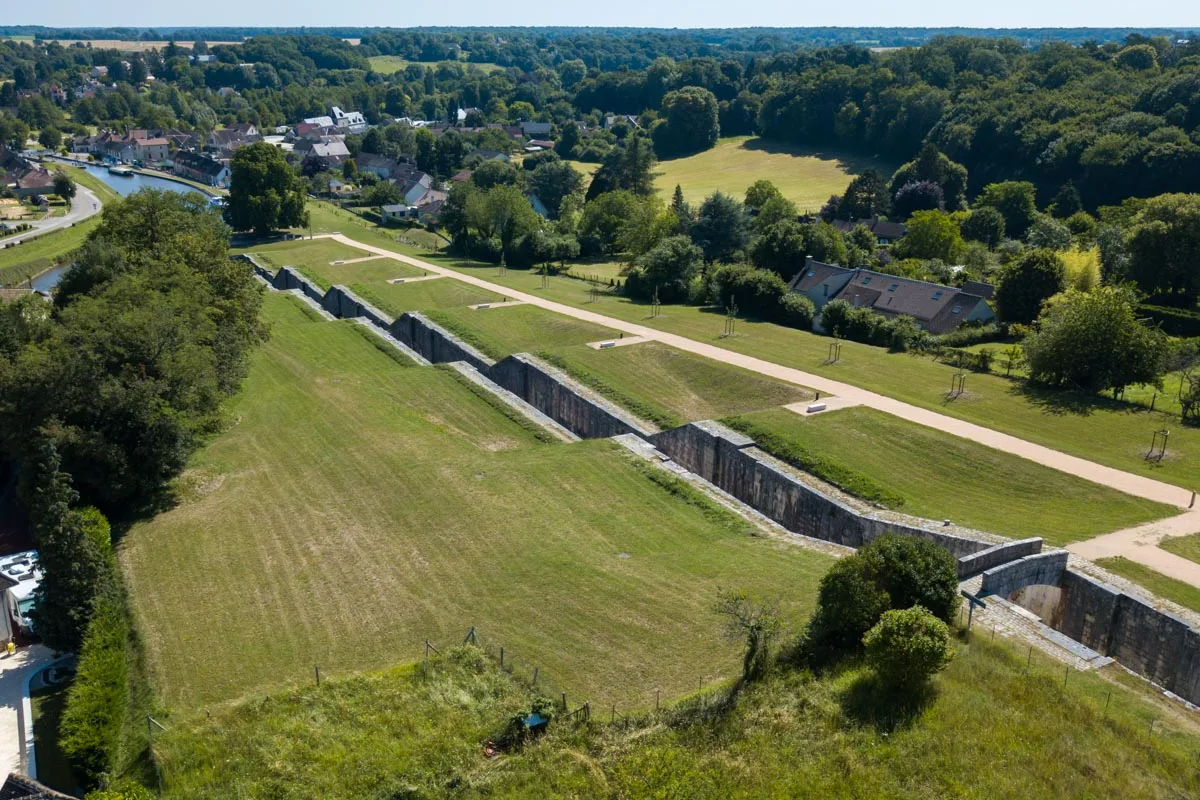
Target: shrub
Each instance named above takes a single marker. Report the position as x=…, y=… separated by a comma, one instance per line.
x=841, y=319
x=96, y=702
x=1173, y=321
x=892, y=572
x=796, y=311
x=908, y=646
x=967, y=335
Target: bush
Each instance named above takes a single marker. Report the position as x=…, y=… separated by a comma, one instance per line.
x=862, y=324
x=967, y=335
x=96, y=702
x=796, y=311
x=908, y=646
x=1173, y=321
x=892, y=572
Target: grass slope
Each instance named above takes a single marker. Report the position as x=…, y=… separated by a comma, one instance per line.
x=945, y=477
x=1177, y=591
x=357, y=508
x=990, y=730
x=804, y=175
x=499, y=332
x=1096, y=428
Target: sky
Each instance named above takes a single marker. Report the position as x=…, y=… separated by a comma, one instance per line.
x=614, y=13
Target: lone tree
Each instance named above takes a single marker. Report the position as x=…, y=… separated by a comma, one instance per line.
x=64, y=187
x=690, y=122
x=757, y=625
x=264, y=192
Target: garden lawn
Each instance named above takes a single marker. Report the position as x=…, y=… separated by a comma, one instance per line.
x=1186, y=546
x=357, y=507
x=804, y=175
x=1164, y=586
x=313, y=257
x=944, y=477
x=500, y=332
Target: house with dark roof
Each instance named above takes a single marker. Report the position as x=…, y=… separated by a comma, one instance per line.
x=936, y=308
x=201, y=168
x=885, y=232
x=22, y=787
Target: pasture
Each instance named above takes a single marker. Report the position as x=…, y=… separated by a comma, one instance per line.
x=386, y=65
x=356, y=507
x=806, y=176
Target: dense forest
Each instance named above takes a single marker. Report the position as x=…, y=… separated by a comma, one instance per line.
x=1118, y=119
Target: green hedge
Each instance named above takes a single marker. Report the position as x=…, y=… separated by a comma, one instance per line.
x=1174, y=321
x=823, y=467
x=90, y=730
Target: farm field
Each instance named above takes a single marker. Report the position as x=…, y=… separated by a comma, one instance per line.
x=1093, y=427
x=806, y=176
x=1174, y=590
x=386, y=65
x=357, y=507
x=989, y=725
x=945, y=477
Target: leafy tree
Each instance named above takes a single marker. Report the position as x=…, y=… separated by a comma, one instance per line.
x=64, y=187
x=984, y=224
x=908, y=646
x=568, y=140
x=722, y=228
x=504, y=213
x=1138, y=57
x=553, y=182
x=685, y=215
x=264, y=192
x=73, y=569
x=603, y=220
x=382, y=193
x=824, y=243
x=667, y=270
x=917, y=196
x=349, y=171
x=1047, y=233
x=781, y=248
x=932, y=234
x=775, y=209
x=1027, y=283
x=626, y=167
x=753, y=623
x=1093, y=341
x=934, y=166
x=866, y=197
x=1016, y=200
x=50, y=138
x=761, y=191
x=650, y=223
x=1067, y=202
x=1164, y=247
x=495, y=173
x=690, y=122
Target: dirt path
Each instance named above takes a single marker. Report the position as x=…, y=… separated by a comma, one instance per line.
x=1097, y=473
x=1140, y=544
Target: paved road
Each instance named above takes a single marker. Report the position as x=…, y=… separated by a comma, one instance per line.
x=1127, y=482
x=86, y=204
x=14, y=670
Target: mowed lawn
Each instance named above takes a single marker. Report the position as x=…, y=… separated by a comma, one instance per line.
x=806, y=176
x=946, y=477
x=1092, y=427
x=660, y=383
x=312, y=257
x=1186, y=546
x=1165, y=586
x=357, y=507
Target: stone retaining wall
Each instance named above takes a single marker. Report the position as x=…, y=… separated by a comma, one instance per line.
x=436, y=343
x=731, y=462
x=996, y=555
x=1042, y=569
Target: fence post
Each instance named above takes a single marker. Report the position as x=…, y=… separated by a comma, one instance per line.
x=317, y=669
x=502, y=657
x=564, y=701
x=657, y=694
x=535, y=676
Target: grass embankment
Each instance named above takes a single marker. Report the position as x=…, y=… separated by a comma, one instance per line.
x=40, y=253
x=1092, y=427
x=1186, y=546
x=357, y=508
x=1174, y=590
x=990, y=729
x=806, y=176
x=926, y=473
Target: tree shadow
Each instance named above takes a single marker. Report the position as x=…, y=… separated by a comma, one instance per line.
x=869, y=701
x=847, y=161
x=1067, y=403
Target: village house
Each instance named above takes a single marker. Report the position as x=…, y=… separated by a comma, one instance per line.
x=885, y=232
x=535, y=129
x=348, y=121
x=201, y=168
x=936, y=308
x=151, y=151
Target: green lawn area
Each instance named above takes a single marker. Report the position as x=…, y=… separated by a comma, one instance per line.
x=945, y=477
x=1186, y=546
x=601, y=271
x=499, y=332
x=990, y=728
x=312, y=257
x=53, y=767
x=804, y=175
x=41, y=253
x=386, y=65
x=1174, y=590
x=357, y=507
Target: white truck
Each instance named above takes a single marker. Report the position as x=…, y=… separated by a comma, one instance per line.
x=19, y=579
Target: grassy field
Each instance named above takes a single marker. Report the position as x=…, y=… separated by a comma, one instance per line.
x=43, y=252
x=386, y=65
x=1177, y=591
x=499, y=332
x=1096, y=428
x=357, y=507
x=989, y=729
x=944, y=477
x=1186, y=546
x=806, y=176
x=313, y=258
